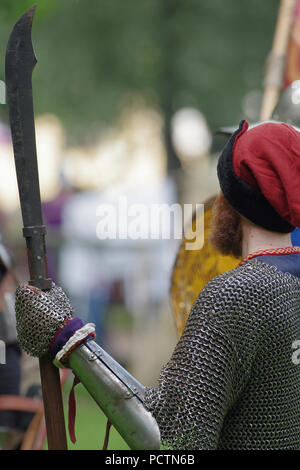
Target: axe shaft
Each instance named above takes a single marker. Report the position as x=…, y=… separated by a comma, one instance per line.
x=53, y=405
x=50, y=378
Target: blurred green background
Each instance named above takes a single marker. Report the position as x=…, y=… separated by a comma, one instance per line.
x=175, y=53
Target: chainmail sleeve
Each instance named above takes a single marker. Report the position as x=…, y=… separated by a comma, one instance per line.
x=196, y=389
x=211, y=362
x=201, y=381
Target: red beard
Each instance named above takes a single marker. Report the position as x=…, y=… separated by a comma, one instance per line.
x=226, y=228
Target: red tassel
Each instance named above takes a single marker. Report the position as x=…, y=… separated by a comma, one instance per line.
x=108, y=426
x=72, y=410
x=72, y=416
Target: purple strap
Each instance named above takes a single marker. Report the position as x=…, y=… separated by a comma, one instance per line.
x=64, y=335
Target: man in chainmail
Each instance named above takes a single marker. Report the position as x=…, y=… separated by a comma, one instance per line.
x=233, y=381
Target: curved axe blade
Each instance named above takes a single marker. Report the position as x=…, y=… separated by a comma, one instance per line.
x=19, y=64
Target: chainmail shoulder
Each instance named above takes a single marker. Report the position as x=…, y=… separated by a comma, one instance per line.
x=231, y=382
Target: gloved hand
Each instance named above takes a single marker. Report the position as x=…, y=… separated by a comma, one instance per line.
x=45, y=323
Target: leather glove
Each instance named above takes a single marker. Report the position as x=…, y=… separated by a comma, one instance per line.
x=45, y=323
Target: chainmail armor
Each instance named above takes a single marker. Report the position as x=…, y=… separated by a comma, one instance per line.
x=39, y=316
x=231, y=382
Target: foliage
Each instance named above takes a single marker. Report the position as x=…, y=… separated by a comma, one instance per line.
x=12, y=10
x=92, y=56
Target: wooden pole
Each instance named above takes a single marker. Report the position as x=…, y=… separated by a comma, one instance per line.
x=276, y=60
x=53, y=405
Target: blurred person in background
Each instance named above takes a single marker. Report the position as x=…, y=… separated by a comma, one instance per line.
x=10, y=369
x=19, y=373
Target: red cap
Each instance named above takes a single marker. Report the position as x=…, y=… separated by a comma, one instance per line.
x=259, y=174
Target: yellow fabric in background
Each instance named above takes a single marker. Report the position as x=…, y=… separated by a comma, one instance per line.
x=193, y=269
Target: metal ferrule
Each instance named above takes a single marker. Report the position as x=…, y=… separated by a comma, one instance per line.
x=119, y=395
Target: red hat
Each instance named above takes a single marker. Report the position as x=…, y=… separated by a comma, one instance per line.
x=259, y=174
